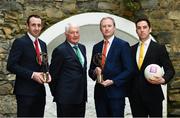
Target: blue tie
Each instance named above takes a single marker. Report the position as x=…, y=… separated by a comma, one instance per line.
x=78, y=53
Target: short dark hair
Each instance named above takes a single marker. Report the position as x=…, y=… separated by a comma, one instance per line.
x=143, y=19
x=36, y=16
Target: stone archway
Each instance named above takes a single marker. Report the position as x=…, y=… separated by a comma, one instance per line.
x=90, y=34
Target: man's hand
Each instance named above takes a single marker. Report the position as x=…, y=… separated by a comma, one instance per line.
x=49, y=78
x=97, y=71
x=107, y=83
x=156, y=80
x=38, y=77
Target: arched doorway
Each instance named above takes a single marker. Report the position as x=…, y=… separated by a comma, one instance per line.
x=90, y=34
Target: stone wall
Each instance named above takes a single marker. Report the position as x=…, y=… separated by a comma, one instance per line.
x=164, y=15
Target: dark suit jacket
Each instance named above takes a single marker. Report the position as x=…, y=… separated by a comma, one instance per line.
x=118, y=67
x=156, y=54
x=22, y=62
x=69, y=79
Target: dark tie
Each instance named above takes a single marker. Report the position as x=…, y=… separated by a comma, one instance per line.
x=78, y=53
x=37, y=52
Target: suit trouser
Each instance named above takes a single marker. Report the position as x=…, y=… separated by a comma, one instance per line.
x=71, y=110
x=30, y=106
x=109, y=107
x=141, y=108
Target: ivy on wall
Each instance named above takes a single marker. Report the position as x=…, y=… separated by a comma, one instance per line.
x=132, y=5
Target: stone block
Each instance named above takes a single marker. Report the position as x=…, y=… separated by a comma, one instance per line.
x=175, y=84
x=8, y=104
x=149, y=4
x=162, y=25
x=107, y=6
x=174, y=15
x=174, y=97
x=53, y=13
x=5, y=88
x=174, y=112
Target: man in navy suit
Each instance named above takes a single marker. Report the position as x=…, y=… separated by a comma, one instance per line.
x=146, y=94
x=29, y=84
x=69, y=77
x=110, y=93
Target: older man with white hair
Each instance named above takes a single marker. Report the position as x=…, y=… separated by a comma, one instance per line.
x=69, y=75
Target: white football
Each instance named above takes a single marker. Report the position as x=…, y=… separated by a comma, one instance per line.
x=153, y=70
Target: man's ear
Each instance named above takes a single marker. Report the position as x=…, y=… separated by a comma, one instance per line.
x=150, y=30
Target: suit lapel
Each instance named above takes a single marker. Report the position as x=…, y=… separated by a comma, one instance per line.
x=134, y=50
x=42, y=46
x=110, y=49
x=70, y=49
x=84, y=54
x=110, y=52
x=31, y=44
x=82, y=51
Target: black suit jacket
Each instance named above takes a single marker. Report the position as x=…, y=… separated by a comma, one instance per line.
x=69, y=78
x=22, y=62
x=156, y=54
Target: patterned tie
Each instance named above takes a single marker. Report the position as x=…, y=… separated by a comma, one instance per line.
x=78, y=54
x=141, y=55
x=37, y=52
x=104, y=52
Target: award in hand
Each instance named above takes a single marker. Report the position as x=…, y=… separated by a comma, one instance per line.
x=97, y=60
x=45, y=66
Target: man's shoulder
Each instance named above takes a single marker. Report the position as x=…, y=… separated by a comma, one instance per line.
x=135, y=45
x=61, y=46
x=156, y=45
x=99, y=43
x=120, y=42
x=117, y=39
x=22, y=39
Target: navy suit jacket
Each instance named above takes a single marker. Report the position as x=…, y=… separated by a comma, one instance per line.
x=22, y=62
x=156, y=54
x=118, y=67
x=69, y=77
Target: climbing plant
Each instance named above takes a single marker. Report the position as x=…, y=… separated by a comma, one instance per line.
x=132, y=5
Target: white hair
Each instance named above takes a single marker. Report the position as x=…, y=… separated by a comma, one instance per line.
x=69, y=25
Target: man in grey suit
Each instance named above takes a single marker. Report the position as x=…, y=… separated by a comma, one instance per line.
x=69, y=76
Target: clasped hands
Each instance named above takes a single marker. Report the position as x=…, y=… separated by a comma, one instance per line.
x=106, y=82
x=38, y=77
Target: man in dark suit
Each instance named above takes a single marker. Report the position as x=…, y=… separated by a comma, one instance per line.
x=146, y=94
x=69, y=76
x=110, y=93
x=26, y=64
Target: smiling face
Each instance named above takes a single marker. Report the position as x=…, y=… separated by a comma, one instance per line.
x=107, y=27
x=34, y=26
x=143, y=30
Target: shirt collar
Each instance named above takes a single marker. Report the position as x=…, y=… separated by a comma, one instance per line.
x=110, y=40
x=31, y=37
x=147, y=42
x=72, y=45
